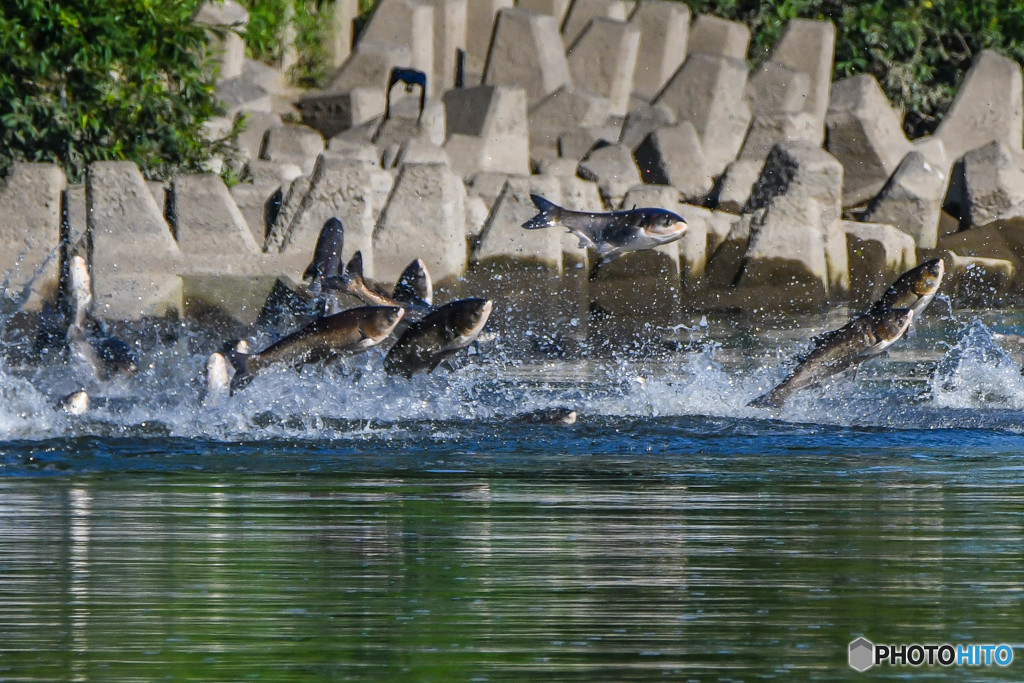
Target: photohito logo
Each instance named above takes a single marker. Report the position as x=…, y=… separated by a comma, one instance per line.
x=864, y=654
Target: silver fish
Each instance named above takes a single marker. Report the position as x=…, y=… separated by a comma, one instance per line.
x=914, y=289
x=414, y=288
x=327, y=253
x=611, y=234
x=859, y=340
x=343, y=334
x=439, y=335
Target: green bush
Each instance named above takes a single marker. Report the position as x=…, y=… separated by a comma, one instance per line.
x=88, y=80
x=917, y=49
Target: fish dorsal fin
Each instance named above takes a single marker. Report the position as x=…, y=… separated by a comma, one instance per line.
x=414, y=284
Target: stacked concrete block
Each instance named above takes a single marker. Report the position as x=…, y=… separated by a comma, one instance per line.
x=250, y=140
x=865, y=135
x=644, y=120
x=977, y=281
x=476, y=216
x=421, y=152
x=1002, y=239
x=424, y=218
x=527, y=51
x=720, y=37
x=257, y=205
x=708, y=91
x=135, y=260
x=638, y=291
x=350, y=190
x=777, y=94
x=450, y=18
x=331, y=113
x=736, y=184
x=673, y=156
x=809, y=46
x=664, y=29
x=240, y=95
x=603, y=59
x=553, y=8
x=725, y=256
x=505, y=241
x=293, y=143
x=878, y=254
x=407, y=23
x=228, y=49
x=487, y=130
x=370, y=65
x=577, y=144
x=405, y=125
x=837, y=260
x=987, y=107
x=582, y=12
x=614, y=170
x=30, y=201
x=796, y=197
x=480, y=18
x=566, y=109
x=912, y=200
x=989, y=184
x=338, y=31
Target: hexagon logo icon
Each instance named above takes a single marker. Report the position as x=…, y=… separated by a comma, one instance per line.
x=862, y=654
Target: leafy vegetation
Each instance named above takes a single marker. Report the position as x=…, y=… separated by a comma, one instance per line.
x=90, y=80
x=917, y=49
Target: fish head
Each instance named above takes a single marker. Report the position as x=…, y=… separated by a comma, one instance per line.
x=80, y=283
x=468, y=316
x=76, y=403
x=663, y=226
x=929, y=278
x=891, y=324
x=380, y=321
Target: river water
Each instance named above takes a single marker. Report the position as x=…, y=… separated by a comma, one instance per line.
x=338, y=524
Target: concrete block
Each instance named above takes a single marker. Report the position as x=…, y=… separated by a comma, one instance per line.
x=693, y=247
x=711, y=35
x=726, y=259
x=768, y=130
x=527, y=51
x=135, y=259
x=809, y=46
x=450, y=18
x=638, y=291
x=239, y=297
x=552, y=8
x=408, y=23
x=990, y=183
x=582, y=12
x=489, y=184
x=1003, y=239
x=332, y=113
x=487, y=130
x=75, y=221
x=351, y=191
x=424, y=218
x=30, y=203
x=664, y=31
x=421, y=152
x=837, y=260
x=210, y=230
x=776, y=88
x=228, y=50
x=602, y=60
x=866, y=137
x=912, y=200
x=505, y=242
x=787, y=249
x=293, y=143
x=878, y=254
x=338, y=33
x=370, y=65
x=364, y=152
x=565, y=109
x=673, y=156
x=241, y=95
x=250, y=140
x=644, y=120
x=254, y=201
x=477, y=211
x=614, y=170
x=272, y=173
x=480, y=19
x=800, y=170
x=978, y=282
x=558, y=167
x=576, y=144
x=708, y=91
x=274, y=81
x=988, y=106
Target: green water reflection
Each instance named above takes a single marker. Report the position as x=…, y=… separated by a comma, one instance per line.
x=457, y=577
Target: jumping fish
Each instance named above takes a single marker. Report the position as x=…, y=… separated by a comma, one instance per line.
x=106, y=355
x=342, y=334
x=414, y=288
x=611, y=234
x=914, y=289
x=859, y=340
x=439, y=335
x=326, y=255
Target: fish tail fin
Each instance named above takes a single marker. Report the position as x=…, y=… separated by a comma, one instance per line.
x=243, y=373
x=550, y=214
x=354, y=269
x=775, y=398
